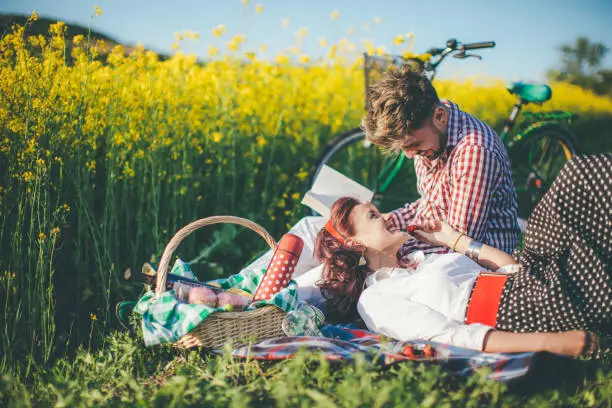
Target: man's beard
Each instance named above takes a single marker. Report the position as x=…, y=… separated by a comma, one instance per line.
x=433, y=154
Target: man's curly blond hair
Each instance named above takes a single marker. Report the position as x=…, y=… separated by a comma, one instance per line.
x=401, y=101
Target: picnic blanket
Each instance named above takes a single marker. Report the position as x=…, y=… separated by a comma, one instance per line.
x=343, y=342
x=165, y=319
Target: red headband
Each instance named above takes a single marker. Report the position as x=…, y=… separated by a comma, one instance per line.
x=334, y=232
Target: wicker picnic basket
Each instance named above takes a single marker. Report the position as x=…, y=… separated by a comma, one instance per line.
x=237, y=328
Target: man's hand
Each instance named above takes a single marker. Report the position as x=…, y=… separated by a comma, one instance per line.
x=389, y=222
x=435, y=232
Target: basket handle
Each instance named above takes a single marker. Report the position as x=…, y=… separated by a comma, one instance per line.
x=162, y=270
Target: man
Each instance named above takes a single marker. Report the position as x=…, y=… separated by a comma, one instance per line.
x=463, y=170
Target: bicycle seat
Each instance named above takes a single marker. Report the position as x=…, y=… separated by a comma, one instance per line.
x=537, y=93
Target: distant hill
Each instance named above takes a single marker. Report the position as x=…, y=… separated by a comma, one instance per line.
x=41, y=26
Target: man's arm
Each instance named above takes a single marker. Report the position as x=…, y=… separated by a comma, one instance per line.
x=402, y=217
x=476, y=172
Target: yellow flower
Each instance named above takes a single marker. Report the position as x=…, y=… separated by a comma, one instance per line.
x=282, y=59
x=219, y=30
x=216, y=137
x=212, y=51
x=295, y=196
x=250, y=55
x=399, y=39
x=178, y=37
x=77, y=39
x=55, y=231
x=34, y=16
x=261, y=141
x=323, y=42
x=334, y=15
x=245, y=2
x=302, y=32
x=258, y=8
x=93, y=317
x=304, y=59
x=332, y=51
x=285, y=22
x=379, y=50
x=192, y=35
x=98, y=11
x=174, y=46
x=27, y=176
x=263, y=48
x=42, y=236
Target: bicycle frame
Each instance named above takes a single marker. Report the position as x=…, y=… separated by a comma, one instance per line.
x=531, y=121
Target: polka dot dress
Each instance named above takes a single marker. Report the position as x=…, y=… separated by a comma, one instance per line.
x=565, y=281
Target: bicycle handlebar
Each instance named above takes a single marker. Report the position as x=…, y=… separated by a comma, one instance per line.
x=454, y=45
x=478, y=45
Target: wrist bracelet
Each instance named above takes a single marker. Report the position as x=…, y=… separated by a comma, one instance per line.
x=473, y=250
x=456, y=241
x=591, y=347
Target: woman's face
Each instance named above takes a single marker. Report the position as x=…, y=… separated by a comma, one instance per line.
x=371, y=230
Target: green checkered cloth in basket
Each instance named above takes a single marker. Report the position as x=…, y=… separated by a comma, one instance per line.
x=166, y=319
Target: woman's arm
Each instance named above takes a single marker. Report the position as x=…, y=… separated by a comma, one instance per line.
x=490, y=257
x=569, y=343
x=441, y=234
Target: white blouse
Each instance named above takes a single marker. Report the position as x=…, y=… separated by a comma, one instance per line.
x=426, y=303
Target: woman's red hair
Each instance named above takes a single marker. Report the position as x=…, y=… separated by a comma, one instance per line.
x=343, y=278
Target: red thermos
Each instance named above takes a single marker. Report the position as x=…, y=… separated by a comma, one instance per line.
x=281, y=267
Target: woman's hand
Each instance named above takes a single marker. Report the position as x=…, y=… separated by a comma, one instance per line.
x=435, y=232
x=570, y=343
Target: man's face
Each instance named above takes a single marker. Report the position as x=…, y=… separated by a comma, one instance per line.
x=430, y=139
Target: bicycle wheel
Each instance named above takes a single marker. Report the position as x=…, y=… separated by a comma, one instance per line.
x=391, y=179
x=536, y=161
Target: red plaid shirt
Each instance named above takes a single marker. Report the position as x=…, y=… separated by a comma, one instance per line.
x=469, y=185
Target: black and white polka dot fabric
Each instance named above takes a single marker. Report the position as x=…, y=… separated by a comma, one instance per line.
x=565, y=279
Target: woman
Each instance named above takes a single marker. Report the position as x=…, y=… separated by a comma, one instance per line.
x=557, y=297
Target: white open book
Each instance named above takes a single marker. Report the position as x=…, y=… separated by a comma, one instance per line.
x=331, y=185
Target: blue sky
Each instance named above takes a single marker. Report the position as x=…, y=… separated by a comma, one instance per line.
x=527, y=32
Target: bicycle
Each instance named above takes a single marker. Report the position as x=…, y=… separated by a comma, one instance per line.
x=539, y=148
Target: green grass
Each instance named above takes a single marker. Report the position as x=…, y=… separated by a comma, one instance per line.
x=124, y=373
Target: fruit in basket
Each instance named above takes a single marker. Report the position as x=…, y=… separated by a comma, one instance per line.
x=232, y=302
x=203, y=296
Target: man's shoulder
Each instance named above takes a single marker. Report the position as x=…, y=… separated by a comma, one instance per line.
x=468, y=130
